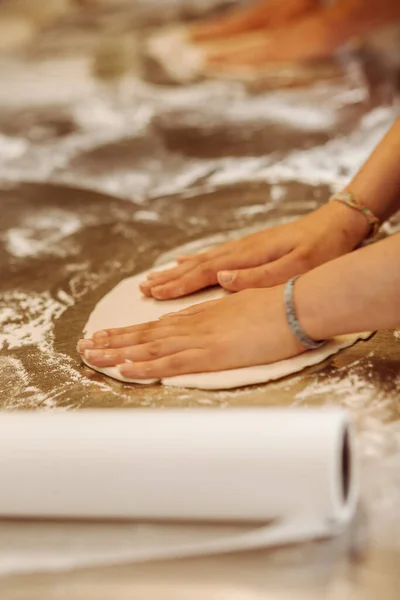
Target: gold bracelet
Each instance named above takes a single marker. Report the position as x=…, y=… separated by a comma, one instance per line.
x=349, y=199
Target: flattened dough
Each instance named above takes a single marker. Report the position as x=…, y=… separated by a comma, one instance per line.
x=125, y=305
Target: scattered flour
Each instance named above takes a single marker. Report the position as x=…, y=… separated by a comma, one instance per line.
x=45, y=82
x=146, y=216
x=27, y=319
x=351, y=388
x=15, y=387
x=101, y=119
x=43, y=233
x=332, y=163
x=11, y=148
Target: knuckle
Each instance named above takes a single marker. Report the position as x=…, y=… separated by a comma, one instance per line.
x=304, y=259
x=145, y=370
x=199, y=258
x=161, y=291
x=207, y=272
x=126, y=353
x=143, y=336
x=139, y=337
x=174, y=362
x=154, y=349
x=182, y=289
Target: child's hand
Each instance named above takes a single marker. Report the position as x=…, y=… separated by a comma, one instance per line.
x=264, y=259
x=238, y=331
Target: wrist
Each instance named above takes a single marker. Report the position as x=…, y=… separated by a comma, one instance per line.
x=313, y=313
x=293, y=320
x=350, y=223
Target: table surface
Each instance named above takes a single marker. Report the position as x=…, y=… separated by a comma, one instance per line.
x=93, y=188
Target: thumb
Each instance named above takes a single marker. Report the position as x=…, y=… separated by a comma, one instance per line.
x=267, y=275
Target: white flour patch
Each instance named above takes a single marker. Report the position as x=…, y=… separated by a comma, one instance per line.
x=27, y=319
x=11, y=148
x=232, y=106
x=332, y=163
x=43, y=233
x=34, y=83
x=101, y=119
x=146, y=216
x=15, y=388
x=352, y=390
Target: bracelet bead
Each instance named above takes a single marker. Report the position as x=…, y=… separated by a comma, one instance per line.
x=349, y=199
x=293, y=321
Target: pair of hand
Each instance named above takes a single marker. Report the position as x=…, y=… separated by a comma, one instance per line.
x=247, y=328
x=267, y=31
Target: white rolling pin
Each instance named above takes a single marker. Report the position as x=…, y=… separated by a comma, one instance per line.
x=294, y=467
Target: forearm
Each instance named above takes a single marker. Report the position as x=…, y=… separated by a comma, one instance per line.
x=349, y=19
x=377, y=184
x=356, y=292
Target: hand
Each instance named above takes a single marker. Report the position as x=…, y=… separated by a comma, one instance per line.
x=258, y=15
x=245, y=329
x=264, y=259
x=309, y=38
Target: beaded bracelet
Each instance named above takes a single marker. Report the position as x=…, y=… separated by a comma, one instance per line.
x=293, y=321
x=350, y=199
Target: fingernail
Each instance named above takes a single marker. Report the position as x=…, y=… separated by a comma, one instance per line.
x=124, y=371
x=226, y=276
x=145, y=290
x=100, y=335
x=157, y=293
x=85, y=345
x=152, y=275
x=93, y=354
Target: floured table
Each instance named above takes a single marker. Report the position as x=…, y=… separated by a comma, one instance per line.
x=61, y=250
x=192, y=165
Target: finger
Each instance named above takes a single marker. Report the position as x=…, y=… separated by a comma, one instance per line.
x=197, y=279
x=140, y=337
x=239, y=22
x=145, y=288
x=195, y=360
x=267, y=275
x=160, y=277
x=201, y=276
x=103, y=335
x=214, y=252
x=151, y=351
x=235, y=57
x=192, y=310
x=199, y=267
x=184, y=258
x=197, y=309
